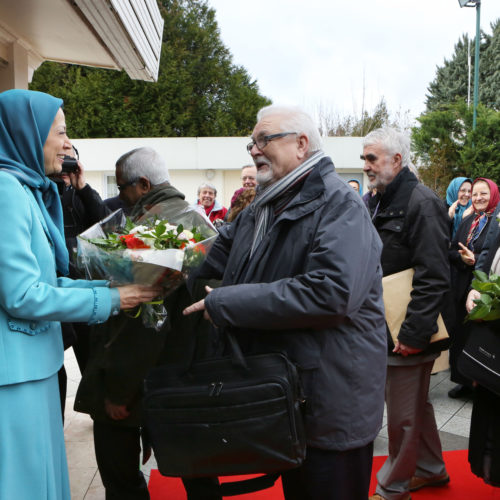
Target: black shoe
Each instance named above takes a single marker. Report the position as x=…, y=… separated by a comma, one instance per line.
x=460, y=391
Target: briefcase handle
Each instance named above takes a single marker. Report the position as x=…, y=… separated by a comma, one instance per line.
x=236, y=353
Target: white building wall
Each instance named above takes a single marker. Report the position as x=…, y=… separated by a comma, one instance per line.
x=193, y=160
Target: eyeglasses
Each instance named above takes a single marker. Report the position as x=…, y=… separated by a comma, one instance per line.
x=121, y=187
x=263, y=141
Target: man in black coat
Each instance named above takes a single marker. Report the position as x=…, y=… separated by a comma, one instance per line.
x=82, y=207
x=123, y=350
x=413, y=225
x=301, y=275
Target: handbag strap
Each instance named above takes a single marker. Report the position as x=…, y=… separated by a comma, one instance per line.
x=248, y=485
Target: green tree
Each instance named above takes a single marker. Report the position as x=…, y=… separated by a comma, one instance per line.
x=446, y=147
x=451, y=81
x=200, y=92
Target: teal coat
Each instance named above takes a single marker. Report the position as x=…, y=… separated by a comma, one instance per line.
x=32, y=299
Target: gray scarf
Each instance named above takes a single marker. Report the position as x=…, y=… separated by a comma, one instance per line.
x=264, y=202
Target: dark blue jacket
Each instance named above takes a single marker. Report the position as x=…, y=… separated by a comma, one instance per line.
x=313, y=291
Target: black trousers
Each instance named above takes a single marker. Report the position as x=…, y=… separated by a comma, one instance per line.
x=330, y=475
x=117, y=451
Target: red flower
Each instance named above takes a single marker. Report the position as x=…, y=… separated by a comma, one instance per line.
x=132, y=242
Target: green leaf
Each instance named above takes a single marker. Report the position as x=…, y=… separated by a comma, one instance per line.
x=492, y=315
x=486, y=299
x=479, y=312
x=480, y=275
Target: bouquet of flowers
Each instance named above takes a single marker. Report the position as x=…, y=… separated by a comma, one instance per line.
x=488, y=305
x=153, y=250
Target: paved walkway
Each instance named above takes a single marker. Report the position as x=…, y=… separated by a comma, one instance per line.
x=452, y=415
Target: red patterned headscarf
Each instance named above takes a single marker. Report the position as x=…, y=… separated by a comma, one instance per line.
x=481, y=217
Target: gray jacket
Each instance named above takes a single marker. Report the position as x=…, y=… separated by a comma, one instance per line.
x=312, y=290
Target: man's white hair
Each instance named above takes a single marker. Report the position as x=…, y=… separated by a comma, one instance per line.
x=294, y=119
x=143, y=162
x=393, y=141
x=207, y=185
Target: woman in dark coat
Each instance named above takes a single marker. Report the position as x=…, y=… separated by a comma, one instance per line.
x=484, y=438
x=464, y=252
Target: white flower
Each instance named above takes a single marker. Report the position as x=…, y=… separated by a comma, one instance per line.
x=170, y=227
x=139, y=229
x=185, y=235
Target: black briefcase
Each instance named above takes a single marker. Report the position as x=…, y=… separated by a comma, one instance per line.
x=229, y=416
x=480, y=358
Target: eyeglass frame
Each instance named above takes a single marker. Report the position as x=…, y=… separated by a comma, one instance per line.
x=267, y=139
x=125, y=185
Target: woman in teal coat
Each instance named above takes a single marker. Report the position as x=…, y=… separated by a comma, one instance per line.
x=33, y=300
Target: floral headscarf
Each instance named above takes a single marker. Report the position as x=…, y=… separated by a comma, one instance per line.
x=481, y=218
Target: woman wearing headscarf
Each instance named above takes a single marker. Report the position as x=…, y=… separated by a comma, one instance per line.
x=484, y=436
x=458, y=201
x=33, y=300
x=464, y=252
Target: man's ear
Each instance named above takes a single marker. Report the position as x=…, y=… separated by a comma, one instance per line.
x=303, y=146
x=144, y=185
x=397, y=160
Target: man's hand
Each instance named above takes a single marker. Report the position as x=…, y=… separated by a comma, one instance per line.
x=469, y=303
x=116, y=412
x=199, y=306
x=466, y=255
x=77, y=178
x=405, y=350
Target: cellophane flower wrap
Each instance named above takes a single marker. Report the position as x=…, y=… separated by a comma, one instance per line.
x=151, y=250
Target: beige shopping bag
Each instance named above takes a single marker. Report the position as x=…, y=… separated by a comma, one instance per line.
x=397, y=289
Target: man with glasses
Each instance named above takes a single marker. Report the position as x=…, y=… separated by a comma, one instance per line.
x=301, y=275
x=249, y=181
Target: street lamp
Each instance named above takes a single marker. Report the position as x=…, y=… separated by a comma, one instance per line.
x=477, y=4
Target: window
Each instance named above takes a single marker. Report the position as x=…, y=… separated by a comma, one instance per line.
x=111, y=189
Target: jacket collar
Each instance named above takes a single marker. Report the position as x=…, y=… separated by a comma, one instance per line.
x=397, y=193
x=311, y=194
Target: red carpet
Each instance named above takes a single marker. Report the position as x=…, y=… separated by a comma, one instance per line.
x=463, y=485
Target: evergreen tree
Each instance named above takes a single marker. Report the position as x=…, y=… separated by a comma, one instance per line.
x=446, y=147
x=451, y=82
x=199, y=92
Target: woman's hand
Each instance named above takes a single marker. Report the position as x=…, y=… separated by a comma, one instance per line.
x=466, y=255
x=452, y=209
x=467, y=212
x=469, y=303
x=133, y=295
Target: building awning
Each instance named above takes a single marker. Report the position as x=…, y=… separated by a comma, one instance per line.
x=114, y=34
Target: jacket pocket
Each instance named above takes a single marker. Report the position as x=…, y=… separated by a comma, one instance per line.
x=394, y=225
x=29, y=327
